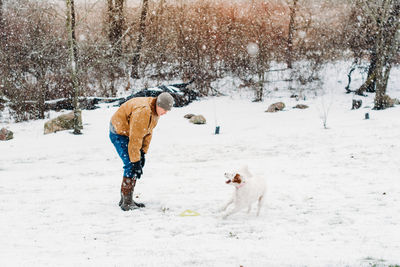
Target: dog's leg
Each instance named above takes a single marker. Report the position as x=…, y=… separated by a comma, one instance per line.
x=234, y=210
x=260, y=203
x=227, y=204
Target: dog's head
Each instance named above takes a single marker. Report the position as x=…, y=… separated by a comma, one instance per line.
x=233, y=178
x=237, y=178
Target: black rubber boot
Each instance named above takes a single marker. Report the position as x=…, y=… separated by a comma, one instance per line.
x=140, y=205
x=126, y=202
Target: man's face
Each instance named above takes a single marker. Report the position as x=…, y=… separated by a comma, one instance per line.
x=160, y=111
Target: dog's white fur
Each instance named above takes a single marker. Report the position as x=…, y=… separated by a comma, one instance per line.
x=248, y=189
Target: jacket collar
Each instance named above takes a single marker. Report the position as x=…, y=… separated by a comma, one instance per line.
x=153, y=103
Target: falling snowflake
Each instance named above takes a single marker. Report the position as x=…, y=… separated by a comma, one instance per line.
x=252, y=49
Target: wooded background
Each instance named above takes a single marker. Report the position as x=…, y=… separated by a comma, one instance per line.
x=92, y=48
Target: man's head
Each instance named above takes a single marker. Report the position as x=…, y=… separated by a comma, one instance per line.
x=164, y=103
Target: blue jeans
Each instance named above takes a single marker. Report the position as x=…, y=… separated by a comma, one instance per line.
x=120, y=143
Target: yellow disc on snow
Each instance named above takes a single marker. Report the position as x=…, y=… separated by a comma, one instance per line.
x=189, y=213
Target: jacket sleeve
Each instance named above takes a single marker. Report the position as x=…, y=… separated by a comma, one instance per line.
x=138, y=129
x=146, y=142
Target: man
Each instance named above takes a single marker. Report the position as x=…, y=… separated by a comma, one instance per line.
x=131, y=129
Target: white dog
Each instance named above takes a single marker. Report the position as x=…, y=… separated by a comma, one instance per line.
x=248, y=189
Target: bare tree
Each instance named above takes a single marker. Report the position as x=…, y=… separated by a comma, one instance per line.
x=73, y=61
x=325, y=103
x=263, y=47
x=115, y=29
x=1, y=17
x=289, y=59
x=384, y=19
x=139, y=42
x=1, y=49
x=1, y=25
x=33, y=63
x=116, y=22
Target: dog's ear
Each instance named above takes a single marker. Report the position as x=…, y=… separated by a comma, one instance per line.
x=237, y=179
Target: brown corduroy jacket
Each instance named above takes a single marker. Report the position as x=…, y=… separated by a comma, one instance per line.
x=136, y=118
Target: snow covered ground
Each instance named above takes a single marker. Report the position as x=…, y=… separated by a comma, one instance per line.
x=333, y=194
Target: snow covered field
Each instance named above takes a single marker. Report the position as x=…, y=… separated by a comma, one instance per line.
x=333, y=194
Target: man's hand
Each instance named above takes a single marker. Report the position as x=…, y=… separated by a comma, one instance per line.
x=142, y=158
x=137, y=169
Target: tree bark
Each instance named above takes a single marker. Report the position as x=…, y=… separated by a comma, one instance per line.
x=138, y=49
x=73, y=61
x=2, y=34
x=389, y=24
x=371, y=69
x=1, y=15
x=116, y=21
x=289, y=58
x=385, y=20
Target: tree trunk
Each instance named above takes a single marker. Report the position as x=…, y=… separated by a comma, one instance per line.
x=385, y=19
x=371, y=79
x=386, y=49
x=1, y=15
x=73, y=59
x=380, y=88
x=372, y=65
x=1, y=23
x=260, y=87
x=40, y=94
x=289, y=55
x=137, y=51
x=261, y=69
x=380, y=46
x=116, y=21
